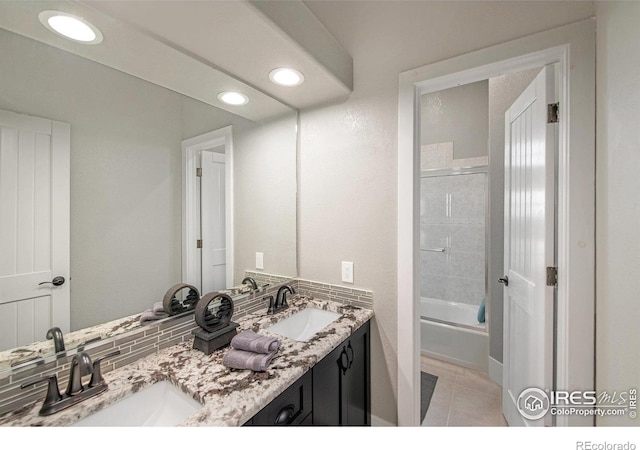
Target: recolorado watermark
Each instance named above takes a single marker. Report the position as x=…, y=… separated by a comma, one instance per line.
x=535, y=403
x=589, y=445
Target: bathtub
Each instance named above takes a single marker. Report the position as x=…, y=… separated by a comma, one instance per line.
x=450, y=332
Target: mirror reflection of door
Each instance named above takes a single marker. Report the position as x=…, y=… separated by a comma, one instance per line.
x=34, y=228
x=207, y=234
x=212, y=220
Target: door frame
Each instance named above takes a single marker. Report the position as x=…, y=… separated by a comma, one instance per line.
x=191, y=201
x=572, y=47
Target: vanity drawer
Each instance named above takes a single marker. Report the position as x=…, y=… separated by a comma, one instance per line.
x=291, y=407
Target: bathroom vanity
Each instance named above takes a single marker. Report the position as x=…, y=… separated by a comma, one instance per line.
x=324, y=380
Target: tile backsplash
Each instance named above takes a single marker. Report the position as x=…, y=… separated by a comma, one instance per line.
x=137, y=344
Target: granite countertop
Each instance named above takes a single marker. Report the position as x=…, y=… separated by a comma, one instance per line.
x=230, y=397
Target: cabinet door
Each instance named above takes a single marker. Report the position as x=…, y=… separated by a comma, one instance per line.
x=358, y=379
x=290, y=408
x=327, y=380
x=342, y=383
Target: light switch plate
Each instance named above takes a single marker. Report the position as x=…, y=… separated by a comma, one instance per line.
x=347, y=272
x=259, y=260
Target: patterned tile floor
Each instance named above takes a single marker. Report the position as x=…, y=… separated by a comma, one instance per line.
x=463, y=397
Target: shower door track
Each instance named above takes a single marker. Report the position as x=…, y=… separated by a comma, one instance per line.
x=454, y=324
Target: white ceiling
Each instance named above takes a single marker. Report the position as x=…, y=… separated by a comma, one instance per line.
x=248, y=40
x=200, y=48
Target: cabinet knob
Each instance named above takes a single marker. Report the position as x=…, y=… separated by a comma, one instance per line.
x=285, y=415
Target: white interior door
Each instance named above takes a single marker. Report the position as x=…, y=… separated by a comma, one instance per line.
x=212, y=207
x=34, y=228
x=529, y=247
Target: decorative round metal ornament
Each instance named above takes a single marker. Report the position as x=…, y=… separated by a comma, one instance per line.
x=214, y=311
x=172, y=305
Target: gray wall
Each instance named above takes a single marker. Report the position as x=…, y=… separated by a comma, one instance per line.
x=503, y=91
x=459, y=115
x=126, y=174
x=617, y=206
x=266, y=194
x=348, y=153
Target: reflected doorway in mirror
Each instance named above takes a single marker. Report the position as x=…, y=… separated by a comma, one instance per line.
x=207, y=236
x=34, y=228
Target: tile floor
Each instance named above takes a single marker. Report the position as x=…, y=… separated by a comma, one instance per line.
x=463, y=397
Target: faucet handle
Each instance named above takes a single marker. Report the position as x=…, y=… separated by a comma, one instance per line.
x=53, y=393
x=96, y=377
x=272, y=305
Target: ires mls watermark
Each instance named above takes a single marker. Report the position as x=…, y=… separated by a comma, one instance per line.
x=535, y=403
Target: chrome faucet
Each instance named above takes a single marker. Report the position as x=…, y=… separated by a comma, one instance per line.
x=81, y=365
x=55, y=333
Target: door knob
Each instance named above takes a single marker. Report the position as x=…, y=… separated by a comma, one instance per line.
x=57, y=281
x=504, y=280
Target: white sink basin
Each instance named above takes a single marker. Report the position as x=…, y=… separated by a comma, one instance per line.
x=160, y=405
x=302, y=325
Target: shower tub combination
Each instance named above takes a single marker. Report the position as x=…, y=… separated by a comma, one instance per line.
x=450, y=332
x=453, y=265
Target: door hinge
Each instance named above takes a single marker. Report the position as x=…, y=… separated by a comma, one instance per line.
x=552, y=276
x=199, y=243
x=552, y=112
x=199, y=172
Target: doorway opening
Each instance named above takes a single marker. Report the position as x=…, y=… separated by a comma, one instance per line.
x=207, y=207
x=575, y=203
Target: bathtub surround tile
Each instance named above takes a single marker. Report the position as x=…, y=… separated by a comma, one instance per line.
x=465, y=290
x=462, y=397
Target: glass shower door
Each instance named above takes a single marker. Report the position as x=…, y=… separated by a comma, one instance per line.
x=452, y=245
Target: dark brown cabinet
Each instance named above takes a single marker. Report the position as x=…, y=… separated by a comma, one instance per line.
x=292, y=407
x=336, y=391
x=342, y=383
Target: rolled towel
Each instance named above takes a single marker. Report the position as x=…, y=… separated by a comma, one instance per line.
x=254, y=342
x=481, y=311
x=149, y=315
x=158, y=307
x=240, y=359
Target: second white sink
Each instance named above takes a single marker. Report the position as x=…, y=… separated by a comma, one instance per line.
x=160, y=405
x=304, y=324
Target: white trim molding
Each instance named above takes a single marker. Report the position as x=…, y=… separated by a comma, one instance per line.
x=495, y=371
x=191, y=149
x=572, y=47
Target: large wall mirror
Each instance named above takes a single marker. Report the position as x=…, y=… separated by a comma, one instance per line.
x=127, y=141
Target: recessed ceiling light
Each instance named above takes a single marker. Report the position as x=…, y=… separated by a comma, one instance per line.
x=71, y=27
x=233, y=98
x=285, y=76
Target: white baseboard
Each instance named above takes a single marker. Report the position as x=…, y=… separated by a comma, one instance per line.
x=495, y=371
